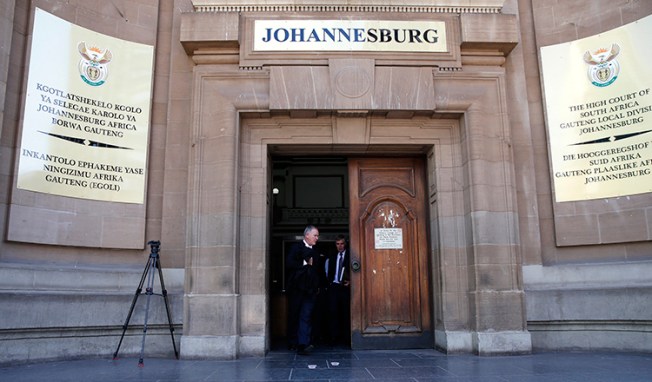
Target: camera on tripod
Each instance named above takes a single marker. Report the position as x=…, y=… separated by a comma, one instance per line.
x=155, y=244
x=149, y=273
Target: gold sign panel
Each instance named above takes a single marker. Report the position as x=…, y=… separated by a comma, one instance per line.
x=87, y=114
x=599, y=113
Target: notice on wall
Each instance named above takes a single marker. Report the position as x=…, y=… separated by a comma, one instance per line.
x=388, y=238
x=599, y=113
x=87, y=114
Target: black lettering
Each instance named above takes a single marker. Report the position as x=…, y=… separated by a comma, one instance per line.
x=372, y=35
x=397, y=37
x=415, y=35
x=385, y=35
x=430, y=36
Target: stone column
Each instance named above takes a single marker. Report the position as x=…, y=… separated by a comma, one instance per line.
x=213, y=310
x=490, y=260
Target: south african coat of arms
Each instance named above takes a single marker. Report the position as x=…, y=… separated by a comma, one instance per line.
x=603, y=66
x=93, y=65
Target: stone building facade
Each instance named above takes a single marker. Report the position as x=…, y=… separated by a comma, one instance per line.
x=504, y=268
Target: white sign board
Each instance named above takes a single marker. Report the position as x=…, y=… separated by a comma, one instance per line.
x=350, y=35
x=388, y=238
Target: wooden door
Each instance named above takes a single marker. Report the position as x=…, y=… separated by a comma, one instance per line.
x=390, y=295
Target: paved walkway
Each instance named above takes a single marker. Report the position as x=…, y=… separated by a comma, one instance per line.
x=332, y=365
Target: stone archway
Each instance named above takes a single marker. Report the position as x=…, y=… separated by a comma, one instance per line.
x=479, y=302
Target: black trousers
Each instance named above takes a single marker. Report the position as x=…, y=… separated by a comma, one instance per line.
x=300, y=310
x=339, y=319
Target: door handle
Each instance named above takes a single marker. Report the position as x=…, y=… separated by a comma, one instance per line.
x=355, y=265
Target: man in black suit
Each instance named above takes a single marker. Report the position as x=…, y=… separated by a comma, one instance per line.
x=337, y=274
x=302, y=289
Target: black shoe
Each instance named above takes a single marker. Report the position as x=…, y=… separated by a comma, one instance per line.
x=305, y=350
x=292, y=347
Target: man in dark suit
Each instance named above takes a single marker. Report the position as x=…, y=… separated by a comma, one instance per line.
x=302, y=289
x=337, y=274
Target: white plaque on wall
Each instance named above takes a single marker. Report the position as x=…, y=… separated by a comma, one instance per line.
x=388, y=238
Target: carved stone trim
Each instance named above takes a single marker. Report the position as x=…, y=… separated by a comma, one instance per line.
x=352, y=81
x=345, y=8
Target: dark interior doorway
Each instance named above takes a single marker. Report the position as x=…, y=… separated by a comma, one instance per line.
x=306, y=190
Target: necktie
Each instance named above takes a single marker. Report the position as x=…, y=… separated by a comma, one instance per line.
x=340, y=260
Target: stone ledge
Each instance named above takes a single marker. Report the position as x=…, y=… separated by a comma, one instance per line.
x=599, y=304
x=593, y=336
x=20, y=277
x=454, y=342
x=484, y=343
x=209, y=347
x=46, y=310
x=592, y=276
x=74, y=343
x=502, y=343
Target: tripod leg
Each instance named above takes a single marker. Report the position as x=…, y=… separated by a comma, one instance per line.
x=164, y=292
x=131, y=309
x=148, y=291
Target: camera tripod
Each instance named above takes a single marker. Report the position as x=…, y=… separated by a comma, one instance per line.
x=152, y=263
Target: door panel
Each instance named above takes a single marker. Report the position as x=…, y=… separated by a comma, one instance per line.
x=390, y=305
